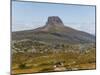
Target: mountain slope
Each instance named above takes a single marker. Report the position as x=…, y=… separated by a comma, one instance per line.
x=54, y=31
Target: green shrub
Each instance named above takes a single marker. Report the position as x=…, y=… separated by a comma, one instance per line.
x=22, y=66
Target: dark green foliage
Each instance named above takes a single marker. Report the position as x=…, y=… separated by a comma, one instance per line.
x=22, y=66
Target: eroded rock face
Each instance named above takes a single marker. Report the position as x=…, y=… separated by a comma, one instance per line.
x=54, y=21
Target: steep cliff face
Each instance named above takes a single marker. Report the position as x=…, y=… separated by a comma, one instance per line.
x=54, y=21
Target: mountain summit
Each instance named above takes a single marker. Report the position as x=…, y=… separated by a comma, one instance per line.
x=54, y=30
x=54, y=24
x=54, y=21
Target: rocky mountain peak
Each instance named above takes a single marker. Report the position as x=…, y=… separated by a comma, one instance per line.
x=54, y=21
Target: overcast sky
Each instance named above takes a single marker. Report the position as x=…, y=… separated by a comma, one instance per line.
x=31, y=15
